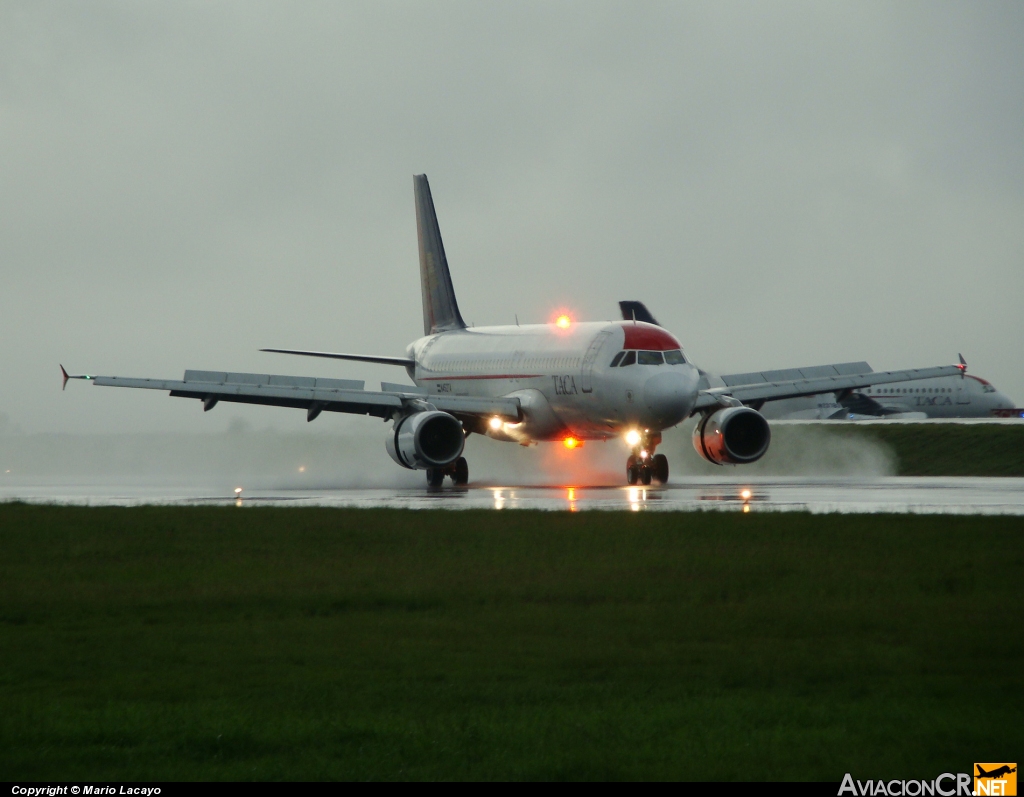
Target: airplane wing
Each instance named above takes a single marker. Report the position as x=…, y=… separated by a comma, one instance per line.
x=790, y=374
x=811, y=384
x=313, y=394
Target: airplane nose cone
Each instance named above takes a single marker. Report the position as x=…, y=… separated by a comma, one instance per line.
x=669, y=397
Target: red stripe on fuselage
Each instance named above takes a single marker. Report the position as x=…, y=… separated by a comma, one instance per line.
x=647, y=336
x=480, y=376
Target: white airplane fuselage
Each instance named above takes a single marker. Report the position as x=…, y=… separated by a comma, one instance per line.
x=563, y=376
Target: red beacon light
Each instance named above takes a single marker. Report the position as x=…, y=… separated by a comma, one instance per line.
x=572, y=442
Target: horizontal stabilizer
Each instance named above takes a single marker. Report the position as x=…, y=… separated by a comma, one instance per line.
x=405, y=362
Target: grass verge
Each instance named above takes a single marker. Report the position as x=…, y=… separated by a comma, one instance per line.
x=209, y=643
x=931, y=449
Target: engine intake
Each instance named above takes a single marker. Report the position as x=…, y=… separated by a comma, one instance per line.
x=733, y=436
x=430, y=439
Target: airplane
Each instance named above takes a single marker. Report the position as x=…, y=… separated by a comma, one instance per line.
x=566, y=381
x=965, y=396
x=998, y=772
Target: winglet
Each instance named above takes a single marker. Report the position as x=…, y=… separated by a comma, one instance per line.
x=962, y=366
x=68, y=376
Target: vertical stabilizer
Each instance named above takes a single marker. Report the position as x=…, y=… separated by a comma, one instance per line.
x=440, y=310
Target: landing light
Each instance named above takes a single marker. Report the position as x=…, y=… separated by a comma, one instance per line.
x=571, y=442
x=632, y=437
x=495, y=423
x=745, y=495
x=563, y=321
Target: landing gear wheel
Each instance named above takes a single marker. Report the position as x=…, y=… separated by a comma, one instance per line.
x=632, y=471
x=645, y=474
x=660, y=467
x=461, y=475
x=435, y=477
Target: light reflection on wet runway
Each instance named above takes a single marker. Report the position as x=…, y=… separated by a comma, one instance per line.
x=920, y=495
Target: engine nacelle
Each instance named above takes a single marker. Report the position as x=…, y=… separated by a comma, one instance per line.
x=732, y=436
x=430, y=439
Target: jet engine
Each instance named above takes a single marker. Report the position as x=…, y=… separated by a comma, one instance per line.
x=732, y=436
x=429, y=439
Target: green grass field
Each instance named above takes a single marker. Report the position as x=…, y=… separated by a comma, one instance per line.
x=931, y=449
x=206, y=643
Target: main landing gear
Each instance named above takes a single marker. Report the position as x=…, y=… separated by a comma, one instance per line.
x=643, y=465
x=458, y=471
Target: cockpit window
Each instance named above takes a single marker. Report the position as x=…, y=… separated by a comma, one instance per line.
x=629, y=359
x=674, y=357
x=988, y=389
x=616, y=360
x=649, y=358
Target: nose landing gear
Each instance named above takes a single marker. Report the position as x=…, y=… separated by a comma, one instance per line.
x=458, y=471
x=643, y=465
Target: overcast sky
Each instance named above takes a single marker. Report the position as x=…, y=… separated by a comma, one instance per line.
x=784, y=184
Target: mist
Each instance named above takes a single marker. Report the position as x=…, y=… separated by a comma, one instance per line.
x=351, y=455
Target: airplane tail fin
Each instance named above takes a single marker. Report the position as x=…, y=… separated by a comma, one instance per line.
x=637, y=311
x=440, y=310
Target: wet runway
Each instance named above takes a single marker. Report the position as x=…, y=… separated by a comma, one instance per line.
x=918, y=495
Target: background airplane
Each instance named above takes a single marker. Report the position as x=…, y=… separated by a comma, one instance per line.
x=966, y=396
x=564, y=381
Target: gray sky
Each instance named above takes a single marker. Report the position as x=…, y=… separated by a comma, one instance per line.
x=783, y=184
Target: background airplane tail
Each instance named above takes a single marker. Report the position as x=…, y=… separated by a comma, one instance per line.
x=440, y=310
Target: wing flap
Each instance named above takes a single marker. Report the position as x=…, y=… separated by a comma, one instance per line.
x=795, y=388
x=222, y=377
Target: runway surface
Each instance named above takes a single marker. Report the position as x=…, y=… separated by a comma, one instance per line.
x=918, y=495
